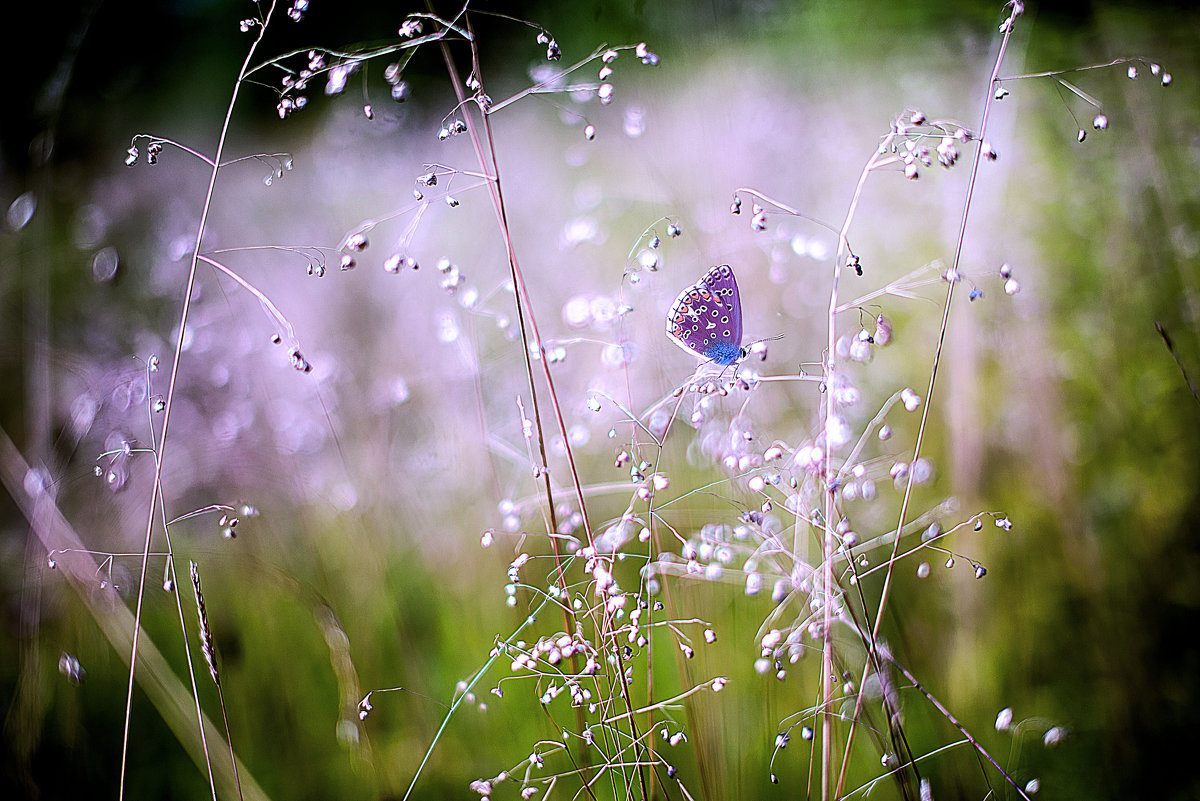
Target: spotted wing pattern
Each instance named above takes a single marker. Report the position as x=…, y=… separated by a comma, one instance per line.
x=706, y=318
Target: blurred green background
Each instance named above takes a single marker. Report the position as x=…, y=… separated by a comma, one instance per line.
x=373, y=478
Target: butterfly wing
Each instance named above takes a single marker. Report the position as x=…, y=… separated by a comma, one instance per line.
x=706, y=318
x=723, y=285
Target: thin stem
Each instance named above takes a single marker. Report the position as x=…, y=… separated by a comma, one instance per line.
x=962, y=233
x=171, y=387
x=1055, y=73
x=829, y=542
x=524, y=316
x=954, y=722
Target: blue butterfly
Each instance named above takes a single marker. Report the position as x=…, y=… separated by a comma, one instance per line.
x=706, y=318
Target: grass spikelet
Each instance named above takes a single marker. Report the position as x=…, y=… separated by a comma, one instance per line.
x=207, y=646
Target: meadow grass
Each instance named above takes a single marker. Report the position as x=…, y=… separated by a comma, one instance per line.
x=672, y=532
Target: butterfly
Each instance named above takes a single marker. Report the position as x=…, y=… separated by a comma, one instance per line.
x=706, y=318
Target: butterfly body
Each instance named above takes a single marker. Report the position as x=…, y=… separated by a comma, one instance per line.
x=706, y=318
